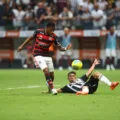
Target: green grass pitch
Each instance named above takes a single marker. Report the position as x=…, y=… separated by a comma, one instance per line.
x=21, y=98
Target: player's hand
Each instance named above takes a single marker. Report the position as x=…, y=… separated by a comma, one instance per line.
x=69, y=47
x=96, y=61
x=19, y=49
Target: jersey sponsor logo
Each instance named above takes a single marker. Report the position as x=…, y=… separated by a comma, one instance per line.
x=41, y=32
x=44, y=45
x=40, y=37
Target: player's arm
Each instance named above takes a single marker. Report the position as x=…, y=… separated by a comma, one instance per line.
x=85, y=91
x=59, y=90
x=65, y=89
x=59, y=46
x=96, y=62
x=64, y=48
x=28, y=40
x=25, y=43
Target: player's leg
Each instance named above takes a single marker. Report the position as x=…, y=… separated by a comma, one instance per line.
x=40, y=62
x=61, y=60
x=50, y=65
x=112, y=62
x=52, y=76
x=104, y=79
x=108, y=59
x=69, y=54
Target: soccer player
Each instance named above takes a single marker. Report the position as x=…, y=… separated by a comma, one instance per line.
x=111, y=49
x=85, y=85
x=44, y=38
x=66, y=39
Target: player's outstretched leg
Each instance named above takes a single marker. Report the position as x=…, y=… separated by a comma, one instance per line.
x=104, y=79
x=49, y=81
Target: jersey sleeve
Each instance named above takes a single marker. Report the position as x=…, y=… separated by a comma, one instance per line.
x=84, y=78
x=35, y=33
x=56, y=42
x=66, y=89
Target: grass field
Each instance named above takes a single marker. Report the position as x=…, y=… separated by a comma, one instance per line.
x=21, y=98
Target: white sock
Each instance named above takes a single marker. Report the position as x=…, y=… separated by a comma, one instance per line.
x=102, y=78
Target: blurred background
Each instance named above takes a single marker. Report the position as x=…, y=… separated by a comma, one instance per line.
x=83, y=23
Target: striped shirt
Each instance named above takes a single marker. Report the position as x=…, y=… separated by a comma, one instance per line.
x=43, y=42
x=76, y=86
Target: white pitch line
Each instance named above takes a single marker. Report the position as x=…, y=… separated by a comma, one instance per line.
x=27, y=87
x=30, y=87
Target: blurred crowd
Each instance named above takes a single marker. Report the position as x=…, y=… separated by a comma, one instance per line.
x=75, y=14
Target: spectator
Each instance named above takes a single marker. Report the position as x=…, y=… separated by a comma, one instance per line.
x=48, y=14
x=78, y=22
x=80, y=10
x=33, y=3
x=66, y=17
x=57, y=21
x=117, y=12
x=60, y=4
x=84, y=4
x=102, y=4
x=110, y=12
x=50, y=2
x=18, y=17
x=80, y=2
x=87, y=19
x=14, y=5
x=66, y=39
x=117, y=4
x=89, y=5
x=111, y=49
x=2, y=21
x=8, y=16
x=53, y=7
x=29, y=22
x=73, y=5
x=40, y=15
x=99, y=18
x=23, y=3
x=11, y=2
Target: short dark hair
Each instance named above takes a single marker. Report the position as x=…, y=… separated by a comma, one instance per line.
x=50, y=24
x=72, y=72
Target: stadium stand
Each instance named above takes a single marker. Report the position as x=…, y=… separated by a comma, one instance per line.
x=24, y=16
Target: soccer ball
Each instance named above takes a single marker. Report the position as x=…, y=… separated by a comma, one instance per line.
x=76, y=64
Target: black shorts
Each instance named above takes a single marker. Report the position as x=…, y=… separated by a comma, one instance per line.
x=92, y=84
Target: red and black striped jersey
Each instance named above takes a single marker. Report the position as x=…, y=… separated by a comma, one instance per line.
x=43, y=42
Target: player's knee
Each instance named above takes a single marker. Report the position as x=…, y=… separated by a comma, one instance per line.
x=46, y=70
x=96, y=74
